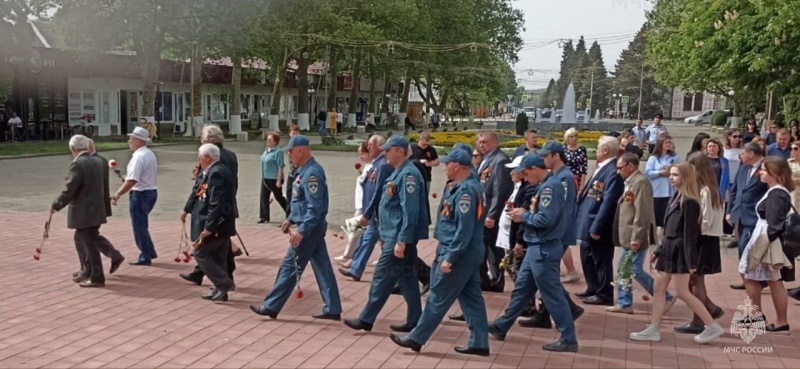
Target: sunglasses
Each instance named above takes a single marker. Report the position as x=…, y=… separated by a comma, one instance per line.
x=736, y=136
x=476, y=156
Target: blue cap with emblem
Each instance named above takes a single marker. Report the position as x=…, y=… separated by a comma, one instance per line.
x=551, y=147
x=296, y=141
x=457, y=156
x=395, y=141
x=530, y=160
x=463, y=146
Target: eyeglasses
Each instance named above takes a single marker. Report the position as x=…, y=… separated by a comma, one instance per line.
x=795, y=148
x=736, y=136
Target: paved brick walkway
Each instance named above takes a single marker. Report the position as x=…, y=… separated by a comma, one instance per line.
x=148, y=317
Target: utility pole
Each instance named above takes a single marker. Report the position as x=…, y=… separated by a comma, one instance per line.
x=591, y=95
x=641, y=85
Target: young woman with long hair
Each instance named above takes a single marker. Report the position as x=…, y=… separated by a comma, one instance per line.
x=657, y=171
x=772, y=211
x=709, y=260
x=677, y=257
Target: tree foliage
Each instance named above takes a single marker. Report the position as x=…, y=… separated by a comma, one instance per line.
x=632, y=75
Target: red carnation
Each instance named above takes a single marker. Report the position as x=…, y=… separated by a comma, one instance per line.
x=112, y=163
x=358, y=166
x=434, y=195
x=645, y=298
x=299, y=295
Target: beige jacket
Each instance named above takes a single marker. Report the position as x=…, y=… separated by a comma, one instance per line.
x=712, y=218
x=770, y=254
x=634, y=220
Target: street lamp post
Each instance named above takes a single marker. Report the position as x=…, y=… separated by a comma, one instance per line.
x=616, y=104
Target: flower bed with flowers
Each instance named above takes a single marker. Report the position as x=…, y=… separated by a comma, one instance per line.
x=507, y=138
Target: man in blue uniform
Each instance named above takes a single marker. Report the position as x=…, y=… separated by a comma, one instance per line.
x=455, y=271
x=309, y=209
x=554, y=158
x=402, y=224
x=544, y=233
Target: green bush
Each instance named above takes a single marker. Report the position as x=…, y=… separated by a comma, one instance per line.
x=719, y=119
x=522, y=123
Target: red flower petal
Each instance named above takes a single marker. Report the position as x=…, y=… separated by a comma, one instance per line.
x=299, y=294
x=645, y=298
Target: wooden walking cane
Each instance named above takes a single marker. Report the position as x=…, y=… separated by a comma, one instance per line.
x=37, y=254
x=242, y=242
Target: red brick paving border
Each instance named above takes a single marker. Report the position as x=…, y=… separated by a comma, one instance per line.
x=148, y=317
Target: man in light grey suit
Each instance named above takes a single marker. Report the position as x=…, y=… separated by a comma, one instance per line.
x=84, y=194
x=496, y=181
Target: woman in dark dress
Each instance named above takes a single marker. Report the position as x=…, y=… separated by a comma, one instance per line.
x=772, y=212
x=750, y=131
x=709, y=260
x=678, y=255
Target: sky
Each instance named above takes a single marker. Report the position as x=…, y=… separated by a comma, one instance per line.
x=613, y=23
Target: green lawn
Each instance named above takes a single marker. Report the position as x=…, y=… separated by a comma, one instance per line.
x=51, y=147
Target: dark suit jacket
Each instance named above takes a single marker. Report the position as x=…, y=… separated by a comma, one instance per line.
x=84, y=193
x=597, y=204
x=496, y=181
x=106, y=187
x=214, y=210
x=228, y=158
x=745, y=193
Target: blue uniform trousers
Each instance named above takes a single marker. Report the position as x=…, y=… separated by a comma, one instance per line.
x=391, y=272
x=540, y=272
x=462, y=283
x=314, y=249
x=364, y=249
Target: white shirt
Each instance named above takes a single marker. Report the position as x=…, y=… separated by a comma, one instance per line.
x=16, y=121
x=600, y=166
x=142, y=168
x=359, y=181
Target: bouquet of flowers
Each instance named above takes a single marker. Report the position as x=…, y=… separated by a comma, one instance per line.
x=113, y=165
x=625, y=275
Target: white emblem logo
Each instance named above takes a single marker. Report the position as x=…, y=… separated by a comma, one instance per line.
x=748, y=322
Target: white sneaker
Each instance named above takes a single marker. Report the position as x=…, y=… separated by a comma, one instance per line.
x=650, y=333
x=712, y=332
x=340, y=258
x=571, y=278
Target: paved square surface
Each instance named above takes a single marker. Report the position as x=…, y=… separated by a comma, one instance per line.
x=148, y=317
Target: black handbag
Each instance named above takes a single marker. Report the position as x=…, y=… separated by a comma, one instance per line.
x=791, y=235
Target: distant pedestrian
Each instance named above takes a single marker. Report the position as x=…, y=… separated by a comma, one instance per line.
x=271, y=177
x=654, y=131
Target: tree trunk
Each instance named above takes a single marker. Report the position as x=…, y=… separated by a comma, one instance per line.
x=303, y=104
x=353, y=107
x=235, y=125
x=275, y=105
x=404, y=99
x=372, y=80
x=333, y=71
x=195, y=121
x=387, y=91
x=150, y=63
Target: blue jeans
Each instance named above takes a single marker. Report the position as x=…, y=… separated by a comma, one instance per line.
x=625, y=295
x=364, y=249
x=321, y=127
x=141, y=203
x=540, y=272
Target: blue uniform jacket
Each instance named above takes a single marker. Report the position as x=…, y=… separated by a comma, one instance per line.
x=401, y=209
x=373, y=186
x=525, y=196
x=309, y=199
x=567, y=180
x=745, y=193
x=459, y=224
x=543, y=223
x=597, y=204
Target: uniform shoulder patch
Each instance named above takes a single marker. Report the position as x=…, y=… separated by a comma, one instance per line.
x=411, y=184
x=464, y=203
x=546, y=197
x=313, y=184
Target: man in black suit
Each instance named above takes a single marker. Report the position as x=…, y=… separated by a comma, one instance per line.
x=597, y=205
x=213, y=134
x=746, y=191
x=84, y=194
x=103, y=244
x=213, y=221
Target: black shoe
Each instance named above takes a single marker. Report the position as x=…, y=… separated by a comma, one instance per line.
x=262, y=221
x=795, y=296
x=739, y=286
x=191, y=278
x=496, y=333
x=358, y=325
x=733, y=245
x=220, y=295
x=458, y=317
x=718, y=313
x=689, y=328
x=596, y=300
x=347, y=273
x=141, y=263
x=326, y=316
x=584, y=294
x=405, y=328
x=577, y=312
x=405, y=342
x=536, y=322
x=561, y=346
x=471, y=350
x=261, y=310
x=208, y=295
x=115, y=265
x=773, y=329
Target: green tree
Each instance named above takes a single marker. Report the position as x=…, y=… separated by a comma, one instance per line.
x=549, y=96
x=631, y=72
